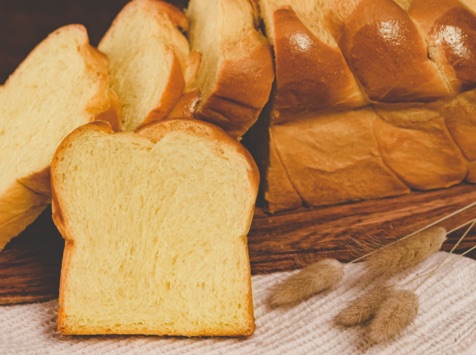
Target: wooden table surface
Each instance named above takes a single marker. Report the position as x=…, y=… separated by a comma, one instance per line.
x=30, y=264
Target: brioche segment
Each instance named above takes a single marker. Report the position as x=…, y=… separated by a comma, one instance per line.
x=62, y=84
x=180, y=194
x=311, y=72
x=236, y=70
x=149, y=60
x=460, y=118
x=450, y=27
x=345, y=163
x=388, y=54
x=280, y=192
x=416, y=144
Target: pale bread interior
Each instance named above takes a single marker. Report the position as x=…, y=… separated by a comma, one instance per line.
x=142, y=45
x=43, y=101
x=157, y=235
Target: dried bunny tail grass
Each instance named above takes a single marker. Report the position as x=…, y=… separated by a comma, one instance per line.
x=364, y=307
x=313, y=279
x=395, y=314
x=405, y=253
x=434, y=223
x=471, y=225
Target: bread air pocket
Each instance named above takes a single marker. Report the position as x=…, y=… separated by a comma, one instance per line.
x=155, y=224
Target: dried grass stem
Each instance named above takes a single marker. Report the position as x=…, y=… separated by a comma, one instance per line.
x=313, y=279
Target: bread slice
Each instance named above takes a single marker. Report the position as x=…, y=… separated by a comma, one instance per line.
x=156, y=238
x=236, y=69
x=61, y=85
x=148, y=56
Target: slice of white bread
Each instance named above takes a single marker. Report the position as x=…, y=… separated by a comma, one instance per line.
x=61, y=85
x=156, y=239
x=235, y=74
x=148, y=56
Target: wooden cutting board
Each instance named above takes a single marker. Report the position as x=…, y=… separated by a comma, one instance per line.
x=30, y=264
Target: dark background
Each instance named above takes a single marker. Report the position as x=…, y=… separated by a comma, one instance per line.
x=25, y=23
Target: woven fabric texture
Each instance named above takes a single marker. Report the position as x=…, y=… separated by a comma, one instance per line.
x=446, y=322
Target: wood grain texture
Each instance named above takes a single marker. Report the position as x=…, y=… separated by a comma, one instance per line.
x=30, y=264
x=292, y=239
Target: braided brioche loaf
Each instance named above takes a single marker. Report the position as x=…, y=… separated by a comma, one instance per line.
x=372, y=99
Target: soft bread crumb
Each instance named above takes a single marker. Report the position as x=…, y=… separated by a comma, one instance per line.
x=61, y=85
x=156, y=238
x=148, y=55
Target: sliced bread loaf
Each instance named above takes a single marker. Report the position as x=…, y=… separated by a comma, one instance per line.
x=61, y=85
x=156, y=239
x=148, y=58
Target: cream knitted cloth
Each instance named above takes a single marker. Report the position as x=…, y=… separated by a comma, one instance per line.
x=446, y=323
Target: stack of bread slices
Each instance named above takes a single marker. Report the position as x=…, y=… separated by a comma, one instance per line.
x=155, y=217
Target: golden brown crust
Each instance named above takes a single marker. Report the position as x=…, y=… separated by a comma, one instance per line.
x=416, y=144
x=426, y=54
x=280, y=193
x=471, y=177
x=388, y=55
x=310, y=75
x=460, y=118
x=172, y=93
x=65, y=329
x=242, y=86
x=333, y=158
x=185, y=107
x=451, y=31
x=105, y=105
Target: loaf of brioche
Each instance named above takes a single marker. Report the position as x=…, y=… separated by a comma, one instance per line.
x=236, y=69
x=372, y=99
x=156, y=240
x=62, y=84
x=149, y=60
